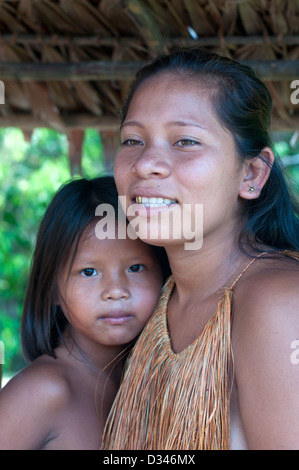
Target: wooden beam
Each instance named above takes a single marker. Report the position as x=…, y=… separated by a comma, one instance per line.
x=100, y=70
x=80, y=71
x=28, y=122
x=110, y=142
x=126, y=41
x=275, y=70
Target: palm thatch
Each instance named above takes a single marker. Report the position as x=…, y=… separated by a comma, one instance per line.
x=66, y=64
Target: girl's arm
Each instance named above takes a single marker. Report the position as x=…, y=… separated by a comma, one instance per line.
x=29, y=405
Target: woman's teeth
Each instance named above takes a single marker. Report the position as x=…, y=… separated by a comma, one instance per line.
x=154, y=201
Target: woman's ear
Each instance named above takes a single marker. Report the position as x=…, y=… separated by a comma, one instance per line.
x=256, y=174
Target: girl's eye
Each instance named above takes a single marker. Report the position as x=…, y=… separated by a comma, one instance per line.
x=131, y=143
x=136, y=268
x=89, y=272
x=187, y=143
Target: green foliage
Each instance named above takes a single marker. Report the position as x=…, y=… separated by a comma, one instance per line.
x=288, y=150
x=30, y=174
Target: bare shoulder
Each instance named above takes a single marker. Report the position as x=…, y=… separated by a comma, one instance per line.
x=268, y=294
x=43, y=378
x=31, y=403
x=265, y=330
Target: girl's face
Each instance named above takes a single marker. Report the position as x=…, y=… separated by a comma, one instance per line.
x=112, y=289
x=173, y=148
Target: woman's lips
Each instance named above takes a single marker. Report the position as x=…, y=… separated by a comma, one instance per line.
x=154, y=201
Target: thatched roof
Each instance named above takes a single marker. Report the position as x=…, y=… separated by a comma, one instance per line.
x=66, y=64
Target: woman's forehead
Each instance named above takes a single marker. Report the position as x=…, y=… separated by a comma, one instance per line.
x=175, y=79
x=169, y=98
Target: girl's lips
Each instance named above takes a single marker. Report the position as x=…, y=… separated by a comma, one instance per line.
x=116, y=318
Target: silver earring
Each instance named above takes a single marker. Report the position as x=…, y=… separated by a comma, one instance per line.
x=251, y=189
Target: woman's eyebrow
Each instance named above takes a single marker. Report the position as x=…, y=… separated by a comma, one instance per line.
x=132, y=123
x=185, y=124
x=169, y=124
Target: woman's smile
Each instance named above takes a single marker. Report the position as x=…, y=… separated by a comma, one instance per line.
x=154, y=201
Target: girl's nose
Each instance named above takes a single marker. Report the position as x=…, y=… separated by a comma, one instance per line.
x=152, y=163
x=115, y=290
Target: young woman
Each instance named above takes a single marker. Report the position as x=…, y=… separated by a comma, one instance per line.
x=87, y=299
x=213, y=368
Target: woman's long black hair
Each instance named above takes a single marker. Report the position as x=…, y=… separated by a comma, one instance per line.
x=243, y=105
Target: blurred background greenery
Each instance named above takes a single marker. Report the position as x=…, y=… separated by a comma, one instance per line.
x=30, y=173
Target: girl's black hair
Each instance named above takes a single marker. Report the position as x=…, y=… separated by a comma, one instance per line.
x=243, y=105
x=70, y=212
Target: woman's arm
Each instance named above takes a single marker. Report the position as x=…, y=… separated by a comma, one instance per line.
x=266, y=328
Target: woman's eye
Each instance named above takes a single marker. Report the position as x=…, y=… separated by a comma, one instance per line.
x=187, y=143
x=131, y=143
x=89, y=272
x=136, y=268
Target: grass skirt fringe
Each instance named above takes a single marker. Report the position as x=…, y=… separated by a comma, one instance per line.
x=175, y=401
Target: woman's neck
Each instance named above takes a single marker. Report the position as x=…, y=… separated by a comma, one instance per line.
x=203, y=272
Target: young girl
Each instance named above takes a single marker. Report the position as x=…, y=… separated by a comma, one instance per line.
x=87, y=299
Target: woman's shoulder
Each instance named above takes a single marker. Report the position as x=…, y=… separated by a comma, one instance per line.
x=270, y=281
x=267, y=304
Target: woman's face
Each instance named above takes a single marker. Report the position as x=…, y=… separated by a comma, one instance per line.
x=174, y=149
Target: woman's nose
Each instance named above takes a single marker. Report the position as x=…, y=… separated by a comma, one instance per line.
x=152, y=162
